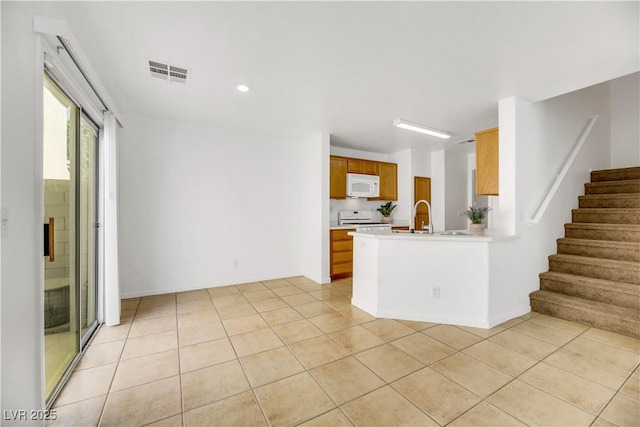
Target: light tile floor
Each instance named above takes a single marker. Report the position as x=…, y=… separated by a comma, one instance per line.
x=292, y=352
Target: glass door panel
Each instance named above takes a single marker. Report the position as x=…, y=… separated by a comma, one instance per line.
x=87, y=201
x=60, y=125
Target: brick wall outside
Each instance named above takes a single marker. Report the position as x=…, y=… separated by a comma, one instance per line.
x=57, y=204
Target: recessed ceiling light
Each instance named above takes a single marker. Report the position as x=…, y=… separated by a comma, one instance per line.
x=405, y=124
x=242, y=88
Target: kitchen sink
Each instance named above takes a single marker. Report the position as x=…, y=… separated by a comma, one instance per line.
x=439, y=233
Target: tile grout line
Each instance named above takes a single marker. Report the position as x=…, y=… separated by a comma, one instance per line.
x=460, y=351
x=539, y=389
x=338, y=310
x=179, y=366
x=308, y=370
x=513, y=378
x=354, y=354
x=126, y=338
x=244, y=372
x=617, y=392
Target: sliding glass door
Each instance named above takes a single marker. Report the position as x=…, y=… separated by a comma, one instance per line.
x=87, y=207
x=70, y=206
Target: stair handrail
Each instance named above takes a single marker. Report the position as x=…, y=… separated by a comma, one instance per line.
x=563, y=172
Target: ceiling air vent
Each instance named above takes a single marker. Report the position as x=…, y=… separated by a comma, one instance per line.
x=178, y=73
x=466, y=141
x=168, y=72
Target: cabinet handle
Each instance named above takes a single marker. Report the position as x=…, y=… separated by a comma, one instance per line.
x=52, y=243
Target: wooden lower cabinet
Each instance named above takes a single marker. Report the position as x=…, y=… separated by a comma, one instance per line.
x=341, y=253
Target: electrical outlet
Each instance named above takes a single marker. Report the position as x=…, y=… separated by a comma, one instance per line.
x=435, y=292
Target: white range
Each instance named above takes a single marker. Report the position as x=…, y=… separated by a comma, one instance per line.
x=362, y=220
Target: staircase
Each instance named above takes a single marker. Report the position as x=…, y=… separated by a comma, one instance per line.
x=594, y=279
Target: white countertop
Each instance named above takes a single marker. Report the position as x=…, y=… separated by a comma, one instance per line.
x=389, y=235
x=334, y=225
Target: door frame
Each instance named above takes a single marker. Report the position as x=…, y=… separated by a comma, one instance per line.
x=86, y=337
x=82, y=340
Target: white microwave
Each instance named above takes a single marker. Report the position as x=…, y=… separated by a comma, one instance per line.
x=363, y=185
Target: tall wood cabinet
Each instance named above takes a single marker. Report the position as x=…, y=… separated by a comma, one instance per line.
x=338, y=177
x=388, y=181
x=487, y=163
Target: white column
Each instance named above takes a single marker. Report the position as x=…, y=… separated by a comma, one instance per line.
x=111, y=283
x=315, y=199
x=437, y=190
x=504, y=206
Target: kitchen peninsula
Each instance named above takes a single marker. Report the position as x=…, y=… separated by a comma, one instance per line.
x=456, y=279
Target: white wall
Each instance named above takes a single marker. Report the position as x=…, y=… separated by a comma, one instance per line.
x=625, y=119
x=404, y=159
x=22, y=289
x=203, y=207
x=420, y=163
x=456, y=175
x=438, y=190
x=315, y=200
x=539, y=137
x=1, y=204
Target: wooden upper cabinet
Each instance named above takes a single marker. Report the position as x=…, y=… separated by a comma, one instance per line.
x=338, y=177
x=487, y=164
x=366, y=167
x=340, y=166
x=388, y=181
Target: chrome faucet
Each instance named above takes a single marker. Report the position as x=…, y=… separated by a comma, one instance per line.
x=413, y=216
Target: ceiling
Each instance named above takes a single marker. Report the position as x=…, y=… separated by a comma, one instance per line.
x=351, y=68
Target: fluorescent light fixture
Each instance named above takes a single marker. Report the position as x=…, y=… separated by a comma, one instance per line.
x=405, y=124
x=243, y=88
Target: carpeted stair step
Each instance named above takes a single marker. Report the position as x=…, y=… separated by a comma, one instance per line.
x=623, y=251
x=610, y=187
x=600, y=268
x=592, y=231
x=620, y=200
x=606, y=215
x=622, y=320
x=606, y=291
x=615, y=174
